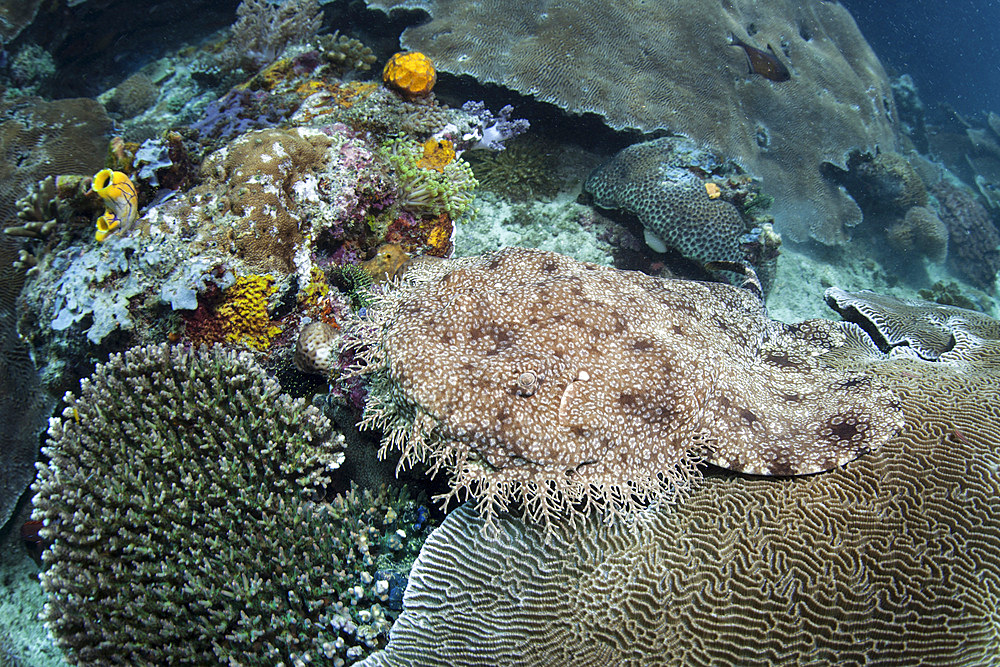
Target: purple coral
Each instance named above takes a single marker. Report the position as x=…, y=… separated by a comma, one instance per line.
x=235, y=113
x=972, y=238
x=491, y=131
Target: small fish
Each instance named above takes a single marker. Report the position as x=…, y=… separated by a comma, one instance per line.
x=32, y=540
x=765, y=63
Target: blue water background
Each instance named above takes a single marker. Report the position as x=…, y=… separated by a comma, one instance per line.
x=951, y=49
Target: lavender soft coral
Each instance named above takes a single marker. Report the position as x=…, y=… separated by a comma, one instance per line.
x=492, y=131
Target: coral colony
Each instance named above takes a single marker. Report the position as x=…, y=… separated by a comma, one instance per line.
x=268, y=306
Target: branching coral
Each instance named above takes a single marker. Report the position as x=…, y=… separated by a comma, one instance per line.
x=263, y=30
x=159, y=440
x=345, y=54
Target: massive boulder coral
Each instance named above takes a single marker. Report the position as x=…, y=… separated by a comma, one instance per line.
x=269, y=195
x=530, y=376
x=894, y=559
x=47, y=138
x=973, y=240
x=669, y=65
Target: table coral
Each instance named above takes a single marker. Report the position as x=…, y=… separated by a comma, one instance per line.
x=529, y=376
x=913, y=327
x=48, y=138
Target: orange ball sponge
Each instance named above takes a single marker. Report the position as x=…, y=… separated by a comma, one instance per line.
x=411, y=74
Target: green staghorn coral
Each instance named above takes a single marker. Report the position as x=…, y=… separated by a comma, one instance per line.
x=180, y=499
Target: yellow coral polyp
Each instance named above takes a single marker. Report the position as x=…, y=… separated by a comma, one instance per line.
x=438, y=154
x=411, y=74
x=120, y=197
x=713, y=190
x=244, y=312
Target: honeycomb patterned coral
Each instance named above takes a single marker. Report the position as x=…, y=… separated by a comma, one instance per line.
x=412, y=75
x=530, y=376
x=651, y=181
x=892, y=560
x=667, y=65
x=316, y=348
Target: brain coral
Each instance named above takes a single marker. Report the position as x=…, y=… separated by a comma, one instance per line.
x=528, y=375
x=924, y=329
x=893, y=560
x=178, y=496
x=669, y=65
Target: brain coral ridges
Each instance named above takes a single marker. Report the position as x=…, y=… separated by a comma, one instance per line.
x=535, y=379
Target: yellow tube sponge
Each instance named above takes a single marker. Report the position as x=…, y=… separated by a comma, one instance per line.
x=119, y=195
